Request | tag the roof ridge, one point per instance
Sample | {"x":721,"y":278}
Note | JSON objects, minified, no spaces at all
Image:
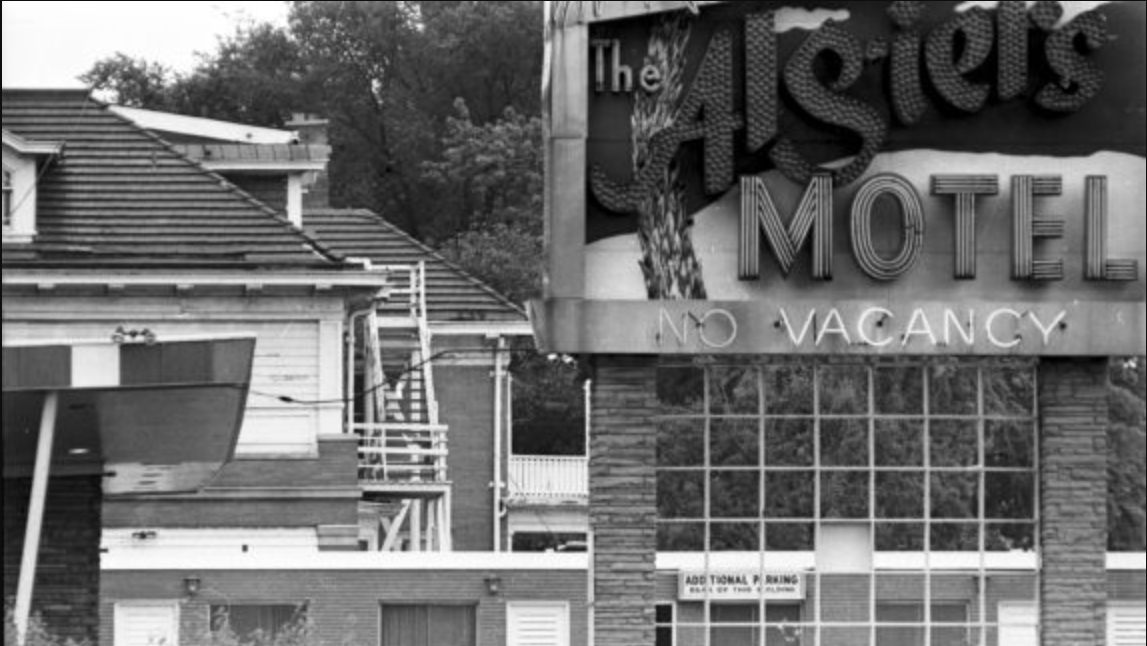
{"x":477,"y":282}
{"x":320,"y":250}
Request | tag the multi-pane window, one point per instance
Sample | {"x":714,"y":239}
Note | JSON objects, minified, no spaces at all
{"x":880,"y":481}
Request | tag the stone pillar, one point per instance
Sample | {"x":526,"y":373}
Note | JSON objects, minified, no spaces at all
{"x":1073,"y":503}
{"x":623,"y":499}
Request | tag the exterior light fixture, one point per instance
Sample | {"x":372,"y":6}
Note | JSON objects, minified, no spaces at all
{"x":493,"y":584}
{"x":191,"y":585}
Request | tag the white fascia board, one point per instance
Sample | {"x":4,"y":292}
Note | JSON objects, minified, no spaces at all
{"x":884,"y":561}
{"x":482,"y":328}
{"x":201,"y":127}
{"x":1127,"y":561}
{"x":578,"y":12}
{"x":30,"y":147}
{"x":375,"y":279}
{"x":269,"y":166}
{"x":201,"y":559}
{"x":78,"y":342}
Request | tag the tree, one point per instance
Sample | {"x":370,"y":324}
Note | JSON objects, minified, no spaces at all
{"x":490,"y":178}
{"x":134,"y":82}
{"x":254,"y":77}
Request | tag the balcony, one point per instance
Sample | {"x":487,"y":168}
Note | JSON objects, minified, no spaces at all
{"x":548,"y":479}
{"x":401,"y":454}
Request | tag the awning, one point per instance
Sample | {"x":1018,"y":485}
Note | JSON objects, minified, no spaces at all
{"x":155,"y":417}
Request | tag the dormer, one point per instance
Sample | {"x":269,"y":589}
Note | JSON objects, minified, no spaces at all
{"x":24,"y":160}
{"x":269,"y":164}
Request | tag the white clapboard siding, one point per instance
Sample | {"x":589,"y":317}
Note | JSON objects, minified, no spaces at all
{"x":537,"y":624}
{"x":1127,"y":624}
{"x":146,"y":623}
{"x":286,"y":364}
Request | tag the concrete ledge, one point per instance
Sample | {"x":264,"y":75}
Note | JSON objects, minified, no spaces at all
{"x":200,"y":559}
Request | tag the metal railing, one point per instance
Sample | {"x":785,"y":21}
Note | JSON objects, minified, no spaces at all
{"x":548,"y":477}
{"x":394,"y":452}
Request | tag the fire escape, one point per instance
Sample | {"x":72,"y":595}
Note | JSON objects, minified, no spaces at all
{"x":402,"y":446}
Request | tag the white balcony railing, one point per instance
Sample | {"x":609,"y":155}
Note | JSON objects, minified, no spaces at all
{"x":548,"y":477}
{"x":397,"y":452}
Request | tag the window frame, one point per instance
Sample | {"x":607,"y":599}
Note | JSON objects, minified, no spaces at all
{"x":297,"y":610}
{"x":1015,"y":404}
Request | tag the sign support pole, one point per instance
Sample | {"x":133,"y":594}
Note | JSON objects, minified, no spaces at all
{"x":35,"y":515}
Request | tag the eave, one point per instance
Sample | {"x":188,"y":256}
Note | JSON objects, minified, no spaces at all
{"x":31,"y":147}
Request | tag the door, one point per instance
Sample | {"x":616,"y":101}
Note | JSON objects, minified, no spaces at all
{"x":541,"y":623}
{"x":1127,"y":624}
{"x":146,"y":623}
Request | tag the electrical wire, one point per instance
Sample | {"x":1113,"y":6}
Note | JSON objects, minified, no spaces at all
{"x":287,"y":399}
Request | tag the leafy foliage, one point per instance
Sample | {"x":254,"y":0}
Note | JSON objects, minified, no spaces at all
{"x":133,"y":82}
{"x":38,"y":634}
{"x":1127,"y":457}
{"x":387,"y":75}
{"x":549,"y":410}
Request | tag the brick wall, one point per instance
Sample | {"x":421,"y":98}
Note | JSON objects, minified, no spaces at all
{"x":344,"y":605}
{"x":466,"y":405}
{"x":1073,"y":505}
{"x":623,"y":496}
{"x":68,"y":573}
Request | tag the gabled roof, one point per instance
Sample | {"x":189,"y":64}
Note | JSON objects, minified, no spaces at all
{"x":451,"y":293}
{"x":118,"y":195}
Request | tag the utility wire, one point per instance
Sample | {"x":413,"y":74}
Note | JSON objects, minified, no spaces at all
{"x":287,"y":399}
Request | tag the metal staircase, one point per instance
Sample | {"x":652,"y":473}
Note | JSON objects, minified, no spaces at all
{"x":402,"y":448}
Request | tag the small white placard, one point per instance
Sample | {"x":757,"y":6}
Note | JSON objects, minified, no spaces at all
{"x":740,"y":585}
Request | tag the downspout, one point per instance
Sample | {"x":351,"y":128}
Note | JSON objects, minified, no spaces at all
{"x":496,"y":485}
{"x":380,"y":296}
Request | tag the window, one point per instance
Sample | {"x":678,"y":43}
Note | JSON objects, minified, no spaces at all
{"x":548,"y":542}
{"x":883,"y":480}
{"x":428,"y":625}
{"x":663,"y":621}
{"x":913,"y":613}
{"x":7,"y":199}
{"x":256,"y":622}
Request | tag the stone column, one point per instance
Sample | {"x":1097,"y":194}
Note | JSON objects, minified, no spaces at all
{"x":623,"y":499}
{"x":1073,"y":504}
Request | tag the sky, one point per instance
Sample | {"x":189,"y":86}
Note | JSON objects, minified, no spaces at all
{"x":49,"y":44}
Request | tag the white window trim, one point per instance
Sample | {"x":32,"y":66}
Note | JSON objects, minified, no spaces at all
{"x":20,"y":160}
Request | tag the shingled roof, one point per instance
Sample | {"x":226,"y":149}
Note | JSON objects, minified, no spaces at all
{"x":451,"y":293}
{"x":119,"y":195}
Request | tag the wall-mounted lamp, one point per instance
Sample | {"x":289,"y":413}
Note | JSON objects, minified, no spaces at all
{"x":493,"y":583}
{"x":191,"y":585}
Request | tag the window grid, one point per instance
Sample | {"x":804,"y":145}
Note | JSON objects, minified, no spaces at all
{"x":980,"y":468}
